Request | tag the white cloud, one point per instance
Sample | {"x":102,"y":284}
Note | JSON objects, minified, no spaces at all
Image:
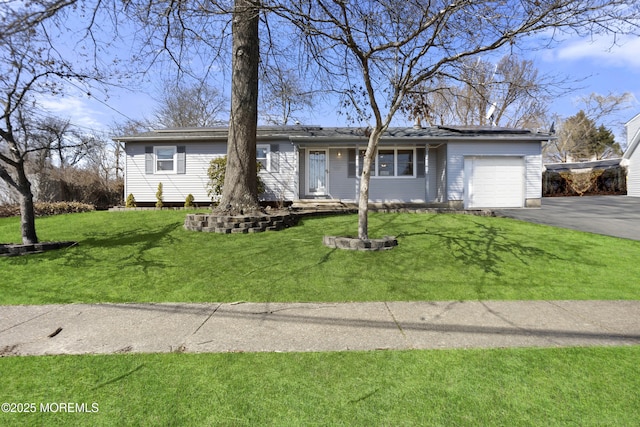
{"x":622,"y":52}
{"x":76,"y":109}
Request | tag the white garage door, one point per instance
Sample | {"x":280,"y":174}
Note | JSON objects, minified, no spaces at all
{"x":494,"y":182}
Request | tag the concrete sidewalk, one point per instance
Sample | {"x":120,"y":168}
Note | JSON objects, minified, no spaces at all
{"x":279,"y":327}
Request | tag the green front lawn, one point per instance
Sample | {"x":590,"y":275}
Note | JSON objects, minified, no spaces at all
{"x":145,"y":256}
{"x":508,"y":387}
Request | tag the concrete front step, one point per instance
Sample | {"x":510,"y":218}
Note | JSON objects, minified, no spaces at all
{"x":341,"y":205}
{"x":323,"y":204}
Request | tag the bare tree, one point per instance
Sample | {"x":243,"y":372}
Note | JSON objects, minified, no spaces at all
{"x":602,"y":107}
{"x":62,"y":143}
{"x":579,"y":138}
{"x":193,"y":36}
{"x":30,"y":66}
{"x":284,"y":94}
{"x":240,"y":191}
{"x":384,"y":49}
{"x":20,"y":76}
{"x":574,"y":137}
{"x":522,"y":94}
{"x":509,"y":93}
{"x":607,"y":109}
{"x":128,"y":127}
{"x":198,"y":105}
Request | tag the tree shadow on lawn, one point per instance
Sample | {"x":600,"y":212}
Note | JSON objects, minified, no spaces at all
{"x":149,"y":238}
{"x":134,"y":244}
{"x":486,"y":247}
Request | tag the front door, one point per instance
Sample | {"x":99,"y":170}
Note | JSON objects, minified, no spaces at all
{"x":317,"y":176}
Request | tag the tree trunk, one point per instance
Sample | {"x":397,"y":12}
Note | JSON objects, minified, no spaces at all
{"x":27,"y":211}
{"x":240,"y":190}
{"x":363,"y":200}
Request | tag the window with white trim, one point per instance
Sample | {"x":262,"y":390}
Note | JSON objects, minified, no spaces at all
{"x":387,"y":163}
{"x":405,"y":162}
{"x":165,"y":159}
{"x":263,"y":152}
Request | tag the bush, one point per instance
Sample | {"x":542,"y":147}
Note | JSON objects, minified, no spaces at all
{"x":73,"y":184}
{"x":603,"y":181}
{"x":217,"y":169}
{"x":188,"y":202}
{"x":159,"y":196}
{"x":9,"y":210}
{"x":48,"y":208}
{"x":131,"y":201}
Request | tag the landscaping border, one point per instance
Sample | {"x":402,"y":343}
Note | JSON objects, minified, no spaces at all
{"x":11,"y":249}
{"x":355,"y":244}
{"x":227,"y":224}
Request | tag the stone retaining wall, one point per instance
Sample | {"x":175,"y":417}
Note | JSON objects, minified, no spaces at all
{"x":226,"y":224}
{"x":17,"y":249}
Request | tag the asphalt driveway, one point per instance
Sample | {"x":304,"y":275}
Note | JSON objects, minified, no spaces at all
{"x":617,"y":216}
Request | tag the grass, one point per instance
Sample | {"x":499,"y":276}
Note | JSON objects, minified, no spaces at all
{"x":146,"y":256}
{"x":510,"y":387}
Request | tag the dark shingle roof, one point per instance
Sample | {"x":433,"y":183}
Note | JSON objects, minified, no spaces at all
{"x":337,"y":134}
{"x":596,"y":164}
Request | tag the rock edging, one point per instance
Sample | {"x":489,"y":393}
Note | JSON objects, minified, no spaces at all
{"x":355,"y":244}
{"x":227,"y":224}
{"x":9,"y":249}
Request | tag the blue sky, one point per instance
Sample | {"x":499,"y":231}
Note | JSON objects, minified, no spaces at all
{"x":603,"y":67}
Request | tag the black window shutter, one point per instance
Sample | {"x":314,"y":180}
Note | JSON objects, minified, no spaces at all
{"x":351,"y":168}
{"x":148,"y":160}
{"x":420,"y":154}
{"x":182,"y":159}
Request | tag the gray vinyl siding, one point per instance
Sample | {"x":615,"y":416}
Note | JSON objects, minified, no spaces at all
{"x":398,"y":189}
{"x":531,"y":151}
{"x":431,"y":174}
{"x":441,"y":170}
{"x":632,"y":128}
{"x":633,"y":167}
{"x":281,"y":181}
{"x":533,"y":176}
{"x":286,"y":178}
{"x":175,"y":186}
{"x":406,"y":190}
{"x":633,"y":174}
{"x":436,"y":174}
{"x":341,"y":186}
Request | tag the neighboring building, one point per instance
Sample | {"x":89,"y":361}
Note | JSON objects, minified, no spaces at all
{"x":607,"y":177}
{"x":631,"y":157}
{"x":458,"y":167}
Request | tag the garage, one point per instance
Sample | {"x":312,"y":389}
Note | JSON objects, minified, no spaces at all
{"x":494,"y":182}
